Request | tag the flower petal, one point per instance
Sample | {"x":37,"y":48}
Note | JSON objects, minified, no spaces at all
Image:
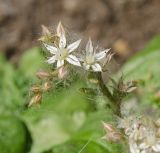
{"x":50,"y":48}
{"x":60,"y":29}
{"x":133,"y":146}
{"x":143,"y":146}
{"x":156,"y":148}
{"x":89,"y":46}
{"x":96,"y":67}
{"x":60,"y":63}
{"x":51,"y":60}
{"x":62,"y":41}
{"x":101,"y":54}
{"x":73,"y":46}
{"x":61,"y":34}
{"x":45,"y":30}
{"x":73,"y":60}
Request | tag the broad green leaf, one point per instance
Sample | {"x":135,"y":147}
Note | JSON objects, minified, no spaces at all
{"x":13,"y":135}
{"x":57,"y":119}
{"x":88,"y":138}
{"x":10,"y":100}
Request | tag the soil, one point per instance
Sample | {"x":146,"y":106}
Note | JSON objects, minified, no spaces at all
{"x":123,"y":25}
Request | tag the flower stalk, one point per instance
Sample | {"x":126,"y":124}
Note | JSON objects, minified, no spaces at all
{"x":106,"y":92}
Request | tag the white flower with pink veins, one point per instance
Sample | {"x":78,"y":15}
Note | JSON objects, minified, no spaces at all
{"x":62,"y":52}
{"x":91,"y":61}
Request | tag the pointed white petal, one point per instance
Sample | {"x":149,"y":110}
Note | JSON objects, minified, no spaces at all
{"x":96,"y":67}
{"x":60,"y":63}
{"x":51,"y":60}
{"x":50,"y":48}
{"x":62,"y":41}
{"x":45,"y":30}
{"x":61,"y":34}
{"x":101,"y":54}
{"x":73,"y":46}
{"x":143,"y":146}
{"x":89,"y":46}
{"x":156,"y":148}
{"x":73,"y":60}
{"x":133,"y":147}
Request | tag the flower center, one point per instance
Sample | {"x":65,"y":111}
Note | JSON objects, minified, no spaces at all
{"x":62,"y":53}
{"x":90,"y":59}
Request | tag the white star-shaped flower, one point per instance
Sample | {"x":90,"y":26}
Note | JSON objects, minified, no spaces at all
{"x":91,"y":61}
{"x":150,"y":144}
{"x":62,"y":52}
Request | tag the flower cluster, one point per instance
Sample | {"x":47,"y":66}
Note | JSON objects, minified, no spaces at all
{"x":63,"y":53}
{"x":143,"y":134}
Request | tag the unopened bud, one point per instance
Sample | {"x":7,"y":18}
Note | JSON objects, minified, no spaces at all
{"x":36,"y":89}
{"x":108,"y":127}
{"x":35,"y":100}
{"x":42,"y":74}
{"x":62,"y":73}
{"x":47,"y":86}
{"x":113,"y":136}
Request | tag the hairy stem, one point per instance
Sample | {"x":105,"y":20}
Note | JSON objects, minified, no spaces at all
{"x":112,"y":101}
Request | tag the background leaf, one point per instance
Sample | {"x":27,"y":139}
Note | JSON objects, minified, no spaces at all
{"x":145,"y":68}
{"x":14,"y":136}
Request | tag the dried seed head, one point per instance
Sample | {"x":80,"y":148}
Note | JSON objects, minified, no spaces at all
{"x":131,"y":86}
{"x":112,"y":134}
{"x":42,"y":74}
{"x":47,"y":86}
{"x":36,"y":89}
{"x":126,"y":87}
{"x":35,"y":100}
{"x":108,"y":127}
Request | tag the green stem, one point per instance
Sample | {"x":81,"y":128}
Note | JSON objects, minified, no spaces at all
{"x":112,"y":101}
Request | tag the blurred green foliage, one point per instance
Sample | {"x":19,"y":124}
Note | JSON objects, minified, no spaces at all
{"x":65,"y":122}
{"x":145,"y":68}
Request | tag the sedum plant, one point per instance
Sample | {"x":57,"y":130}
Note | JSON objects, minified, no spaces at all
{"x":71,"y":60}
